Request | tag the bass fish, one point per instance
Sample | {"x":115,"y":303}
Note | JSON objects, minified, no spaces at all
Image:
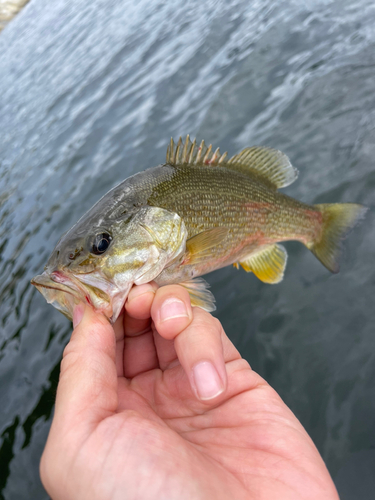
{"x":197,"y":212}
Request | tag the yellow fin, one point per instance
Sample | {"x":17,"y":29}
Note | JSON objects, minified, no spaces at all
{"x":268,"y":265}
{"x":198,"y":245}
{"x":337,"y":221}
{"x":200,"y":296}
{"x":270,"y":165}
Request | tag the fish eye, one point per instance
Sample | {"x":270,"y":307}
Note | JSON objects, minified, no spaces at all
{"x":101,"y":243}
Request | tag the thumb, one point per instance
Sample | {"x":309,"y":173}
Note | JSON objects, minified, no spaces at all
{"x":87,"y":389}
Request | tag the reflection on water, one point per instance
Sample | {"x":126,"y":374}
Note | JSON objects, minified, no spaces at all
{"x":91,"y":92}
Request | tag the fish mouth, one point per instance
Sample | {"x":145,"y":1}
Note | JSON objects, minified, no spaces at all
{"x":53,"y":281}
{"x":65,"y":291}
{"x":60,"y":291}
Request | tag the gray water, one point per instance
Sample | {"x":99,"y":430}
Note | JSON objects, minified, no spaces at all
{"x":91,"y":92}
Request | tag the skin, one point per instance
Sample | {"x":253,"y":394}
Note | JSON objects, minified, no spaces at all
{"x":136,"y":416}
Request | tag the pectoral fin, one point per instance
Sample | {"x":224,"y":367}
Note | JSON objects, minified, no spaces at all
{"x":267,"y":265}
{"x":200,"y":296}
{"x":198,"y":245}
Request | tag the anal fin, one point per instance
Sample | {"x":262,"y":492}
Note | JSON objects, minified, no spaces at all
{"x":268,"y":265}
{"x":200,"y":296}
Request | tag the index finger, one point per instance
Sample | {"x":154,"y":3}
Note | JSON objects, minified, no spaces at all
{"x":88,"y":382}
{"x":136,"y":351}
{"x":138,"y":308}
{"x":143,"y":350}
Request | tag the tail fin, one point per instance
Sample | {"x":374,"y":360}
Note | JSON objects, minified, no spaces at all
{"x":338,"y":220}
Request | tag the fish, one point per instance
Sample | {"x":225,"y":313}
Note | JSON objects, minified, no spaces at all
{"x":197,"y":212}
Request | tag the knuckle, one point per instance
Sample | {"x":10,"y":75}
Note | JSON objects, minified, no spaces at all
{"x":67,"y":350}
{"x":206,"y":321}
{"x":70,"y":358}
{"x":216,"y":323}
{"x":172,"y":291}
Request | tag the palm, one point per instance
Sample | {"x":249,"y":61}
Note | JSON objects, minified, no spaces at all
{"x":153,"y":438}
{"x":249,"y":442}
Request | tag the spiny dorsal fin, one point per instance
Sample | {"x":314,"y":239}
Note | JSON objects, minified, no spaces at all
{"x":198,"y":245}
{"x":268,"y":265}
{"x":192,"y":154}
{"x":268,"y":165}
{"x":200,"y":296}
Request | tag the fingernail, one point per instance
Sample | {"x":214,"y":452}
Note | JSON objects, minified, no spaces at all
{"x":173,"y":308}
{"x":207,"y":380}
{"x":78,"y":314}
{"x":138,"y":290}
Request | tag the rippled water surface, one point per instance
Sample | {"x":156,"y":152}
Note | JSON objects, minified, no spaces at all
{"x":91,"y":92}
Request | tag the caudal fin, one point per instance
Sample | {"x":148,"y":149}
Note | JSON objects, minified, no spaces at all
{"x":338,"y":220}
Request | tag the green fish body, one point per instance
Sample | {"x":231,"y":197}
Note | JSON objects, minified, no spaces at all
{"x":196,"y":213}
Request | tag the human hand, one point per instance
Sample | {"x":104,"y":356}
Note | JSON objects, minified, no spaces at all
{"x":159,"y":408}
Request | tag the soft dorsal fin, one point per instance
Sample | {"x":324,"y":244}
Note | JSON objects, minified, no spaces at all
{"x":268,"y":165}
{"x":268,"y":265}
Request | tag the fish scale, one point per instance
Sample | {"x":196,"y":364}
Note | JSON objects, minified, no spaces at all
{"x":224,"y":197}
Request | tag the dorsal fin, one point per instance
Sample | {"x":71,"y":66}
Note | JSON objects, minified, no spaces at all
{"x":192,"y":154}
{"x":268,"y":165}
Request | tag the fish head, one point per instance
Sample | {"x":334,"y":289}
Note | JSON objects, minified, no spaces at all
{"x":98,"y":260}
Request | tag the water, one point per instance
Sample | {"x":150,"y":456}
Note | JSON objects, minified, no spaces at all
{"x":91,"y":92}
{"x":8,"y":9}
